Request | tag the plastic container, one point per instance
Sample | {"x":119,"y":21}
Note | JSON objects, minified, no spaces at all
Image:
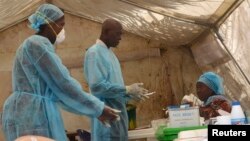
{"x":237,"y":114}
{"x":164,"y":133}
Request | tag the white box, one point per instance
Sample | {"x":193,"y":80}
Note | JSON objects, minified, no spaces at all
{"x":184,"y":117}
{"x":141,"y":133}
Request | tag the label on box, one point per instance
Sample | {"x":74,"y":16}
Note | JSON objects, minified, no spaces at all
{"x":184,"y":117}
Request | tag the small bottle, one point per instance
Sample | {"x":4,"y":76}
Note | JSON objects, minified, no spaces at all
{"x":237,"y":114}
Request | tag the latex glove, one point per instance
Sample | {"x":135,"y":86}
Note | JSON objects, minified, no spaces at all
{"x":136,"y":88}
{"x":107,"y":123}
{"x":109,"y":114}
{"x":192,"y":100}
{"x":136,"y":91}
{"x":138,"y":97}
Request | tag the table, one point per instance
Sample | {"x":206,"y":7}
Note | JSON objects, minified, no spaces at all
{"x":148,"y":133}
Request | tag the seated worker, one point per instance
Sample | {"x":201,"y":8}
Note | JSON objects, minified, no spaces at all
{"x":210,"y":90}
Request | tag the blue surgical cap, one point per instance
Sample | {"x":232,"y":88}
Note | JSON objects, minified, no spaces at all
{"x":44,"y":14}
{"x":213,"y":81}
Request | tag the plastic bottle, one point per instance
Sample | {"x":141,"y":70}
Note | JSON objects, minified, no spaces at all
{"x":237,"y":114}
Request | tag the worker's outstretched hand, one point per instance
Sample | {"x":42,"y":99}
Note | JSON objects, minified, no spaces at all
{"x":137,"y":92}
{"x":136,"y":88}
{"x":109,"y":114}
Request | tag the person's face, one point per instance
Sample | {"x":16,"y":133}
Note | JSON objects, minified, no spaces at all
{"x":203,"y":91}
{"x":114,"y":36}
{"x":54,"y":28}
{"x":58,"y":25}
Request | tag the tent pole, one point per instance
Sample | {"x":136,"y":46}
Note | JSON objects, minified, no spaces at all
{"x":230,"y":54}
{"x":228,"y":12}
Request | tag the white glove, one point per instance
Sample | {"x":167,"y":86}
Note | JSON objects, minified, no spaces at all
{"x":191,"y":98}
{"x":137,"y":92}
{"x":107,"y":123}
{"x":109,"y":114}
{"x":136,"y":88}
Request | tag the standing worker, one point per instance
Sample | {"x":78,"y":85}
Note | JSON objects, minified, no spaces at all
{"x":41,"y":83}
{"x":104,"y":77}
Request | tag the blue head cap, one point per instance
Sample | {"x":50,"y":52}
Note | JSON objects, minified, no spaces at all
{"x":213,"y":81}
{"x":44,"y":14}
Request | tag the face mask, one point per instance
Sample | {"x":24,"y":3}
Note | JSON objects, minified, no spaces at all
{"x":60,"y":37}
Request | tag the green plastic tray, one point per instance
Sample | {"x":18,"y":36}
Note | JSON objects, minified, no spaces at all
{"x":165,"y":133}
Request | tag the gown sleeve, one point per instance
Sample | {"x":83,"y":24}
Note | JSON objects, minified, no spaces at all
{"x":67,"y":90}
{"x":97,"y":75}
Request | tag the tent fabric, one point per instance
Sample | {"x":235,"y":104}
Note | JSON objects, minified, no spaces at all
{"x":208,"y":52}
{"x":236,"y":36}
{"x":235,"y":33}
{"x":199,"y":11}
{"x":177,"y":22}
{"x":135,"y":20}
{"x":12,"y":12}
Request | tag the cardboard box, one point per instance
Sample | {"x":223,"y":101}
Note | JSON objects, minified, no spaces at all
{"x":184,"y":117}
